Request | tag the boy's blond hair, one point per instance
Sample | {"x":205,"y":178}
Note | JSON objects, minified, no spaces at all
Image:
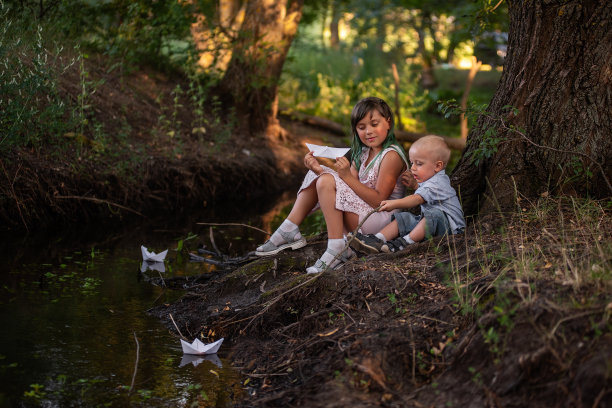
{"x":434,"y":146}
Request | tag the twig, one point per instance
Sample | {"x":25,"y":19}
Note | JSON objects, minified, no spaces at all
{"x":12,"y":185}
{"x":212,"y":241}
{"x":98,"y":200}
{"x":317,"y":276}
{"x":234,"y":224}
{"x":162,"y":279}
{"x":413,"y":345}
{"x":135,"y":364}
{"x":177,"y":329}
{"x":524,"y":136}
{"x":351,"y":238}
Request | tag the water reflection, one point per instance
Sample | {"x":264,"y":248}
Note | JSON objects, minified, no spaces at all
{"x":196,"y":360}
{"x":72,"y":301}
{"x":152,"y":266}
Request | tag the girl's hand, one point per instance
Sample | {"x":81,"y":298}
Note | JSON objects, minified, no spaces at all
{"x":343,"y":167}
{"x":312,"y":164}
{"x":387,"y":205}
{"x":409,"y":181}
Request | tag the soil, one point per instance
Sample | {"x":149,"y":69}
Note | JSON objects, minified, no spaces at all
{"x":511,"y":313}
{"x":448,"y":322}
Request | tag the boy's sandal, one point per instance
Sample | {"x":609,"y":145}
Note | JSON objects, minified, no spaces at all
{"x":395,"y":245}
{"x":320,"y":266}
{"x":268,"y":248}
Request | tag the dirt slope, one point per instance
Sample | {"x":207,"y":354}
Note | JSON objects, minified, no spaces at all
{"x":444,"y":323}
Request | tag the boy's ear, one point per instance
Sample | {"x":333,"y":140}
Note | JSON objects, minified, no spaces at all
{"x":439,"y":165}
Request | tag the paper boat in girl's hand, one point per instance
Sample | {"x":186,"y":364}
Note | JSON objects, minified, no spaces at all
{"x":327,"y":151}
{"x":197,"y":347}
{"x":152,"y":256}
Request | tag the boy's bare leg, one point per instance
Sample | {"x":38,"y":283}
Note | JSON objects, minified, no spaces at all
{"x":418,"y":233}
{"x":390,"y":231}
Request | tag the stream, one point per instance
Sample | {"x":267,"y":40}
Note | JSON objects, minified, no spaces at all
{"x":74,"y":322}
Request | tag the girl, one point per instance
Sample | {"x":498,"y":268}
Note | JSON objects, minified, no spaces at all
{"x":351,"y":191}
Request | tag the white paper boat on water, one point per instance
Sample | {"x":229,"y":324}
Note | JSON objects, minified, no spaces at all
{"x":152,"y":266}
{"x":152,"y":256}
{"x":199,"y":348}
{"x":327,"y":151}
{"x":196,"y":360}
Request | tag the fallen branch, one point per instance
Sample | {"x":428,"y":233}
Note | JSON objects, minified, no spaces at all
{"x":234,"y":224}
{"x":454,"y":143}
{"x":98,"y":200}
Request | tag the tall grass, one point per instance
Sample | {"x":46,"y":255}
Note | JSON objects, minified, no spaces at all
{"x":565,"y":241}
{"x":32,"y":112}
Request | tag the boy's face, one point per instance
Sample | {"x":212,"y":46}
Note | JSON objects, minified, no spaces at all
{"x":424,"y":163}
{"x":373,"y":129}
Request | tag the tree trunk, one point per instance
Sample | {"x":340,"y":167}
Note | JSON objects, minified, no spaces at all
{"x":428,"y":78}
{"x":334,"y":37}
{"x":251,"y":79}
{"x":212,"y":38}
{"x":557,"y":75}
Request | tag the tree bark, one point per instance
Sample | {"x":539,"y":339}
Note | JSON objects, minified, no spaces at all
{"x":334,"y":33}
{"x":557,"y":74}
{"x":251,"y":79}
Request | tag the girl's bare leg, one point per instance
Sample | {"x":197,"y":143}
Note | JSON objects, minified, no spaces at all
{"x":305,"y":202}
{"x":351,"y":221}
{"x":326,"y":192}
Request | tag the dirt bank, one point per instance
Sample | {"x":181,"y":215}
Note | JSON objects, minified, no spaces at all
{"x":146,"y":151}
{"x":496,"y":317}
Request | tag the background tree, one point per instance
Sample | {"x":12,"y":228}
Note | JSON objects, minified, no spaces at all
{"x":556,"y":138}
{"x":250,"y":82}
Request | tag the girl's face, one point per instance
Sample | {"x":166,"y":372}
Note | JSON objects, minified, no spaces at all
{"x":373,"y":129}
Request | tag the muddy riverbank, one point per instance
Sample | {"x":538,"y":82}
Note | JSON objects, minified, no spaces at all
{"x":490,"y":318}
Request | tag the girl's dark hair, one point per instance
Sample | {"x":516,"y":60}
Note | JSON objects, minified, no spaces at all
{"x":360,"y":110}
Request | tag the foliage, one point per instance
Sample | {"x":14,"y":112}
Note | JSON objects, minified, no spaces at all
{"x":32,"y":113}
{"x":147,"y":32}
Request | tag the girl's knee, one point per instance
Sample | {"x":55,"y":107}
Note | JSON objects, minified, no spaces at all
{"x":326,"y":181}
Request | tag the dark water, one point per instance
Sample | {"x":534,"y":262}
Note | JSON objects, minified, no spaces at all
{"x":72,"y":302}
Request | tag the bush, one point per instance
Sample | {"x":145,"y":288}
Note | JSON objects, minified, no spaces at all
{"x":31,"y":109}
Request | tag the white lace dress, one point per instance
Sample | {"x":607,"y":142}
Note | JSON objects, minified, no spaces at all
{"x":348,"y":201}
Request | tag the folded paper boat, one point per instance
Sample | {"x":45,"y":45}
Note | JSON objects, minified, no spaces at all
{"x":152,"y":256}
{"x":199,"y":348}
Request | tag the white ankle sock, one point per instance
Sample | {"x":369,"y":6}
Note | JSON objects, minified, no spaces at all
{"x":287,"y":226}
{"x":335,"y":245}
{"x":381,"y":237}
{"x":408,"y":239}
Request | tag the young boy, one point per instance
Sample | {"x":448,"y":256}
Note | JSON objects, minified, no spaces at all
{"x":441,"y":211}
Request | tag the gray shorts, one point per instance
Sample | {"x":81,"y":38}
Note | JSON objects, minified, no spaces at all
{"x":436,"y":222}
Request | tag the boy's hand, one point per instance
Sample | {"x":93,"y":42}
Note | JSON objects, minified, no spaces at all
{"x":387,"y":205}
{"x":409,"y":181}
